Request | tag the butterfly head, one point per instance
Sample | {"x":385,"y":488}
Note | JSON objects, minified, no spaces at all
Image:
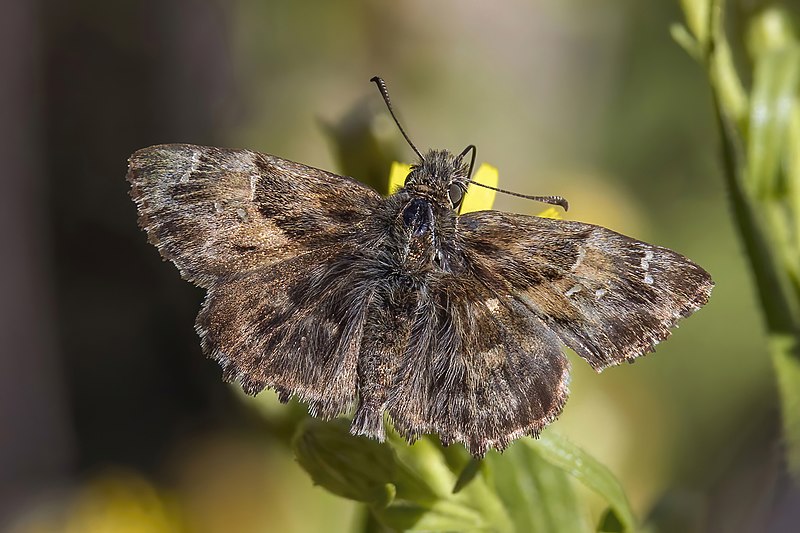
{"x":440,"y":178}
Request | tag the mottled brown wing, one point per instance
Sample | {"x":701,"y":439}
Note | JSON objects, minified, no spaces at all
{"x":214,"y":212}
{"x":608,"y":297}
{"x":295,"y":326}
{"x":479,"y":368}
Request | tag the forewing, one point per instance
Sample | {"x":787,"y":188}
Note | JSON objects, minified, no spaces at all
{"x":607,"y":296}
{"x":295,"y":326}
{"x":479,"y":368}
{"x":214,"y":212}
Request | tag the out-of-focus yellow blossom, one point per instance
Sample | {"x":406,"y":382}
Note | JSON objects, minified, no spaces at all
{"x":117,"y":501}
{"x":550,"y":212}
{"x":481,"y":198}
{"x":397,"y":176}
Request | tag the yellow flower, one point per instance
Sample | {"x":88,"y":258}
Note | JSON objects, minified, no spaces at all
{"x":397,"y":176}
{"x":550,"y":212}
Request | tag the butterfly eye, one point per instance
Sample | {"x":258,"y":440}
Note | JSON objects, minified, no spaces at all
{"x":455,"y":193}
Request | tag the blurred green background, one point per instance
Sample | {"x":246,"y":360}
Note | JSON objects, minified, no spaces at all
{"x":111,"y":419}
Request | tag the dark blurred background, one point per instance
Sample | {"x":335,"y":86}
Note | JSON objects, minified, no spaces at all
{"x":110,"y":414}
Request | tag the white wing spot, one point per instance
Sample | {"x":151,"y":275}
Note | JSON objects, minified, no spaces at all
{"x":648,"y":279}
{"x":599,"y":293}
{"x":572,"y":290}
{"x":579,"y":259}
{"x":648,"y":256}
{"x":192,"y":168}
{"x":253,"y":184}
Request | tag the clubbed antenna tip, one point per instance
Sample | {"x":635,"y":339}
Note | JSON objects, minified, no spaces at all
{"x":385,"y":93}
{"x":552,"y":200}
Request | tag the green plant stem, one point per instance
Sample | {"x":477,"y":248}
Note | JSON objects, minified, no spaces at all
{"x":755,"y":219}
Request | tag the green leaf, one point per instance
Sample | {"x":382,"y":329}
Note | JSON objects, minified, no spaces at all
{"x":356,"y":468}
{"x":468,"y":473}
{"x":444,"y":515}
{"x":530,"y":487}
{"x":775,"y":84}
{"x":407,"y":487}
{"x":682,"y":36}
{"x":770,"y":28}
{"x":728,"y":87}
{"x":697,"y":18}
{"x":586,"y":469}
{"x":538,"y":495}
{"x":771,"y":158}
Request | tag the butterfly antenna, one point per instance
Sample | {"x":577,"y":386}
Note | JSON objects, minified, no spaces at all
{"x":552,"y":200}
{"x":472,"y":159}
{"x":385,"y":93}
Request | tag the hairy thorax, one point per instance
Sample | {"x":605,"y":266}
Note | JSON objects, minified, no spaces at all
{"x":425,"y":233}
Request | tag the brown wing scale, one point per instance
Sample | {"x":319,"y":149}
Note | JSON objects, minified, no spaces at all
{"x":607,"y":296}
{"x":214,"y":211}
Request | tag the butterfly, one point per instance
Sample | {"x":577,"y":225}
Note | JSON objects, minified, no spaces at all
{"x":320,"y":288}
